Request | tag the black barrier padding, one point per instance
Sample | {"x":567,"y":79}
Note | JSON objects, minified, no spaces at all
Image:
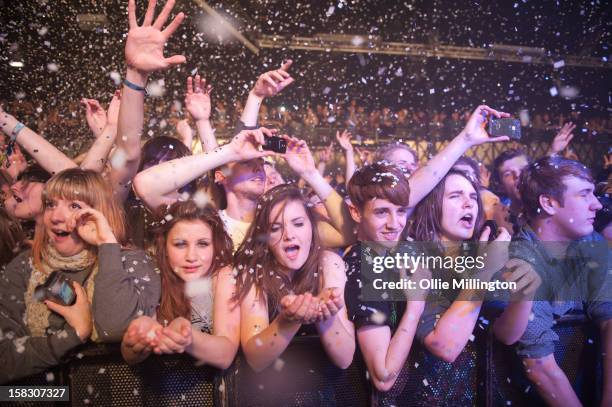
{"x":578,"y":353}
{"x":106,"y":380}
{"x":487,"y":373}
{"x":428,"y":381}
{"x":307,"y":378}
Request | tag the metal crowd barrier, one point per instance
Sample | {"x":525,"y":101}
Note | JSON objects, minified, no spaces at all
{"x":487,"y":373}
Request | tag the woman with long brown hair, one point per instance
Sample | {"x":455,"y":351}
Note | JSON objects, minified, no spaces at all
{"x":453,"y":213}
{"x":196,"y":314}
{"x":81,"y":240}
{"x":287,"y":280}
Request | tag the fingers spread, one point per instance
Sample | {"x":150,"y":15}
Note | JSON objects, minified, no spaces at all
{"x":132,"y":14}
{"x":149,"y":14}
{"x":163,"y":16}
{"x":176,"y":22}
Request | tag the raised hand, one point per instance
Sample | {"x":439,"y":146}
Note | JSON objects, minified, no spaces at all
{"x":78,"y":315}
{"x":365,"y":155}
{"x":92,"y":226}
{"x":95,"y":116}
{"x":298,"y":156}
{"x":272,"y":82}
{"x":197,"y":99}
{"x":325,"y":155}
{"x":562,"y":139}
{"x":246,"y":144}
{"x":474,"y":132}
{"x":485,"y":176}
{"x":144,"y":48}
{"x":344,"y":139}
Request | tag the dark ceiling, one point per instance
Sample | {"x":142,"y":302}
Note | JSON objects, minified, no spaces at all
{"x":64,"y":63}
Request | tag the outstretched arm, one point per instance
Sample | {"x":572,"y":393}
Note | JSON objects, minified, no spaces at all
{"x":98,"y":153}
{"x":157,"y":185}
{"x":562,"y":139}
{"x":344,"y":140}
{"x":423,"y":181}
{"x":144,"y":54}
{"x":46,"y":154}
{"x":268,"y":84}
{"x":300,"y":159}
{"x":197,"y":103}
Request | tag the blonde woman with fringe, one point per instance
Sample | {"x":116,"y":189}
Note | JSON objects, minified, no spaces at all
{"x":82,"y":236}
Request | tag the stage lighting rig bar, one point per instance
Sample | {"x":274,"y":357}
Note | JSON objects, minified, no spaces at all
{"x":365,"y":45}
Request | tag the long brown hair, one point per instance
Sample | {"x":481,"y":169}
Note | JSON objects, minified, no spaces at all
{"x":426,"y":220}
{"x":86,"y":186}
{"x":257,"y":265}
{"x":174,"y":302}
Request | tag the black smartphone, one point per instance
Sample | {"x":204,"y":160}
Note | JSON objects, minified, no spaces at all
{"x":276,"y":144}
{"x":57,"y":288}
{"x":493,"y":226}
{"x":505,"y":127}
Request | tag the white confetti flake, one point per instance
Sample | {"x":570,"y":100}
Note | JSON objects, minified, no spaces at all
{"x":195,"y":287}
{"x":553,"y":91}
{"x":50,"y":377}
{"x":279,"y":364}
{"x":156,"y":89}
{"x":119,"y":158}
{"x":378,"y":318}
{"x":559,"y":64}
{"x":115,"y":77}
{"x":201,"y":199}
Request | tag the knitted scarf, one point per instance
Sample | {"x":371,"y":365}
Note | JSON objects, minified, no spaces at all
{"x":37,"y":313}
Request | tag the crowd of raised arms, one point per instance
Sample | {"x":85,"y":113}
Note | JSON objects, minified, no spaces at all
{"x":206,"y":250}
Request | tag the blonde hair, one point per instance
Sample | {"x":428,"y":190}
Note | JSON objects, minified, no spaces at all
{"x":86,"y":186}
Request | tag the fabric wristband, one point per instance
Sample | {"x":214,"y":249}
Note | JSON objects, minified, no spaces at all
{"x":132,"y":85}
{"x":18,"y":127}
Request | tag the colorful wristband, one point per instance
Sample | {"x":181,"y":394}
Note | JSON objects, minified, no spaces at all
{"x":132,"y":85}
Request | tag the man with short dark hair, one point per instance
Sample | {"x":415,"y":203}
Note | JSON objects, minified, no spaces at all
{"x":385,"y":330}
{"x":559,"y":243}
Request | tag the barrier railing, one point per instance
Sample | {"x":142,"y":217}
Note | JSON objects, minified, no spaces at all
{"x":487,"y":373}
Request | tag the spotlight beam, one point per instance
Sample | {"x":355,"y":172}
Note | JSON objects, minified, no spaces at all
{"x":237,"y":34}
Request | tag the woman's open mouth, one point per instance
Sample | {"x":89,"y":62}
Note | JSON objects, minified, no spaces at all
{"x":292,"y":251}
